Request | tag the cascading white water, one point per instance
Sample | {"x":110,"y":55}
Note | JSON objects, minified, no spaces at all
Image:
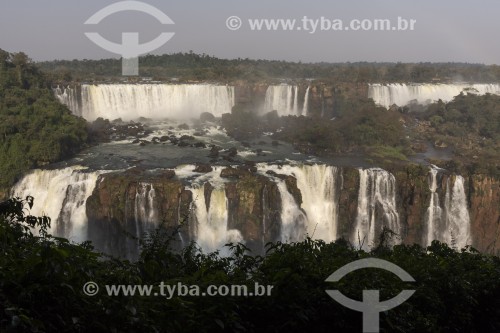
{"x":305,"y":109}
{"x":212,"y":221}
{"x":61,"y":195}
{"x":402,"y":94}
{"x":376,"y":207}
{"x":457,"y":215}
{"x":317,"y":184}
{"x":145,"y":210}
{"x":284,"y":99}
{"x":69,"y":97}
{"x":434,"y":213}
{"x":296,"y":100}
{"x":293,"y":220}
{"x":156,"y":101}
{"x":449,"y":223}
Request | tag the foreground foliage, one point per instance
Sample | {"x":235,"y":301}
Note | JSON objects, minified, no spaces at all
{"x":41,"y":279}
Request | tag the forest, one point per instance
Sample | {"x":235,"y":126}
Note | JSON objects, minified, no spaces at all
{"x":42,"y":277}
{"x":35,"y":129}
{"x":197,"y":67}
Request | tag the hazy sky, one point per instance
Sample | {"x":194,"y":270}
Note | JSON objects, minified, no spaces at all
{"x":446,"y":30}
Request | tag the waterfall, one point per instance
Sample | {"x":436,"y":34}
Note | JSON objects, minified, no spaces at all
{"x":318,"y":186}
{"x":69,"y":97}
{"x":61,"y":195}
{"x":457,"y":215}
{"x":296,"y":100}
{"x":450,"y":222}
{"x":434,"y":213}
{"x":376,"y":207}
{"x":285,"y":99}
{"x":145,"y":210}
{"x":212,"y":220}
{"x":293,"y":220}
{"x":156,"y":101}
{"x":279,"y":98}
{"x":305,"y":109}
{"x":403,"y":94}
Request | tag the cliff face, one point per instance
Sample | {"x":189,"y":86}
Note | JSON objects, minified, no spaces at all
{"x":124,"y":204}
{"x":324,"y":97}
{"x":413,"y":197}
{"x":484,"y":201}
{"x":120,"y":208}
{"x":254,"y":207}
{"x":348,"y":202}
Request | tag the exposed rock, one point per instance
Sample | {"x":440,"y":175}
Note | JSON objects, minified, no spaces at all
{"x":254,"y":209}
{"x":413,"y":199}
{"x":187,"y":137}
{"x":259,"y":152}
{"x":207,"y":117}
{"x":214,"y":152}
{"x":248,"y":166}
{"x":111,"y":211}
{"x":237,"y":173}
{"x":291,"y":185}
{"x":199,"y":145}
{"x":207,"y":191}
{"x":484,"y":200}
{"x":183,"y":127}
{"x":203,"y":168}
{"x":232,"y":152}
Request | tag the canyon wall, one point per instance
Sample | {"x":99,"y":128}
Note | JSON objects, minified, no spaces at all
{"x":268,"y":203}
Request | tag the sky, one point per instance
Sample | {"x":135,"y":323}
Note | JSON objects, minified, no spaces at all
{"x":444,"y":31}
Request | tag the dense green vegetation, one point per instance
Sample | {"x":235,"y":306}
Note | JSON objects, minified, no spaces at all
{"x":35,"y":129}
{"x":470,"y":124}
{"x":191,"y":66}
{"x":361,"y":128}
{"x":41,"y":280}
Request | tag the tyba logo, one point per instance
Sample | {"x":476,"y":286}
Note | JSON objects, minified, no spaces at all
{"x":129,"y":49}
{"x":371,"y":306}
